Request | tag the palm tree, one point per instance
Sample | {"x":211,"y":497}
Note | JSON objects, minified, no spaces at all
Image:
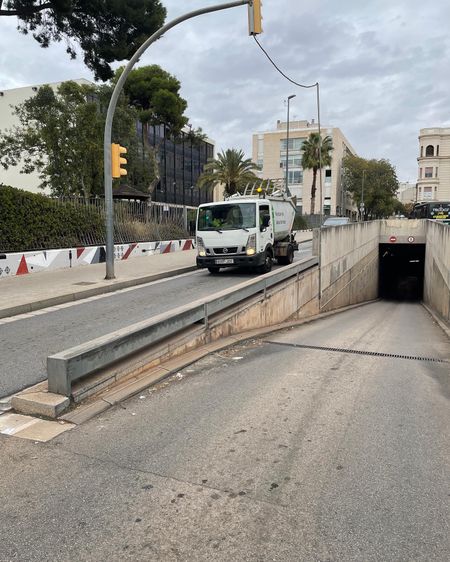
{"x":231,"y":168}
{"x":311,"y":160}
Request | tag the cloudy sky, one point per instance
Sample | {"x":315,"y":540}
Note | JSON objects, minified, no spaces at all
{"x":382,"y":65}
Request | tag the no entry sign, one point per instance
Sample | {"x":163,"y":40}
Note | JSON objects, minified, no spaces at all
{"x":393,"y":239}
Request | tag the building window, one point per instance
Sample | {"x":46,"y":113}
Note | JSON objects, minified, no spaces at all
{"x":436,"y":172}
{"x":427,"y":193}
{"x":421,"y":151}
{"x":294,"y":144}
{"x":327,"y":176}
{"x":429,"y":150}
{"x":295,"y":161}
{"x":295,"y":177}
{"x":437,"y":150}
{"x":420,"y":173}
{"x":429,"y":172}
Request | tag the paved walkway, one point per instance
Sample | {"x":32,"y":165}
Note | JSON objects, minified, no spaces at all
{"x":26,"y":293}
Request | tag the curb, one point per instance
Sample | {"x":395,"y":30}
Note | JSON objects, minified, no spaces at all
{"x":85,"y":293}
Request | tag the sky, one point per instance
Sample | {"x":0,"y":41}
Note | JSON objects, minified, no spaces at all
{"x":382,"y":66}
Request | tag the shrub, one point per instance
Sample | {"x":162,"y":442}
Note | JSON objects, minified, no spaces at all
{"x":30,"y":221}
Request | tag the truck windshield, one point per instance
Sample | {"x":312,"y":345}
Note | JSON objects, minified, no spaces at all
{"x":232,"y":216}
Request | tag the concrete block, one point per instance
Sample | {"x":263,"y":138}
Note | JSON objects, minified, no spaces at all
{"x":40,"y":403}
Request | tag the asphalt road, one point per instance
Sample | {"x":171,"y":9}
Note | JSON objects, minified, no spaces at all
{"x":266,"y":452}
{"x":26,"y":343}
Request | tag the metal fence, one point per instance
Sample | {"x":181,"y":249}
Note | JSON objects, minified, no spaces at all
{"x":136,"y":221}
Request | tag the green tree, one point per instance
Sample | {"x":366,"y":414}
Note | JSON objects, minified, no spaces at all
{"x":375,"y":183}
{"x":156,"y":96}
{"x":58,"y":136}
{"x":311,"y":158}
{"x":61,"y":133}
{"x":231,"y":168}
{"x":105,"y":30}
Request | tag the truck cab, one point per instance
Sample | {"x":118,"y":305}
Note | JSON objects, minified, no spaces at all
{"x":245,"y":231}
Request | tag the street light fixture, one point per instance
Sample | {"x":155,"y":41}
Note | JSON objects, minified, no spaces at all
{"x":287,"y":144}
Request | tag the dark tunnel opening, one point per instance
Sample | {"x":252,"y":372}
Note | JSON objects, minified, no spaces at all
{"x":401,"y":271}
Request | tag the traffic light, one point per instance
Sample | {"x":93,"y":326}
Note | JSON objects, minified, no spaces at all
{"x":117,"y":161}
{"x":255,"y":17}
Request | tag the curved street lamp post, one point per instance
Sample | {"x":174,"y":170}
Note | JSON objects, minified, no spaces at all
{"x":110,"y":115}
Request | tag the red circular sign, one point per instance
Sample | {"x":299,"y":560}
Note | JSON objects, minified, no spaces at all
{"x":393,"y":239}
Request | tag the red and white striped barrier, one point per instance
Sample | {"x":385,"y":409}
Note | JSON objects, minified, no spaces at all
{"x":21,"y":263}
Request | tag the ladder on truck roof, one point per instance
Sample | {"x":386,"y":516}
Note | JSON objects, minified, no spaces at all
{"x":268,"y":187}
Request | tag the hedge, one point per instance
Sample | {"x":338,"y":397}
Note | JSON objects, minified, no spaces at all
{"x":30,"y":221}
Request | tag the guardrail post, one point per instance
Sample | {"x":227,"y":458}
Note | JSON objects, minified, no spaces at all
{"x":206,"y":316}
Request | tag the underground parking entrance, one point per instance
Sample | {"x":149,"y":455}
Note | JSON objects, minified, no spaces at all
{"x":401,"y":271}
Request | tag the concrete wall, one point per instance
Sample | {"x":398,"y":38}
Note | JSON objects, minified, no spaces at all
{"x":405,"y":231}
{"x":22,"y":263}
{"x":436,"y":291}
{"x":348,"y":264}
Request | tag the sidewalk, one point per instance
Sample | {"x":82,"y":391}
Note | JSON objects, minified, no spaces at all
{"x":25,"y":293}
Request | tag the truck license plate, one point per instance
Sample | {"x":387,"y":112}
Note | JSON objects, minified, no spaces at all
{"x":226,"y":261}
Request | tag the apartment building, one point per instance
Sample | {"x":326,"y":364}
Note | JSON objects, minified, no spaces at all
{"x":433,"y":183}
{"x":406,"y":192}
{"x":270,"y":151}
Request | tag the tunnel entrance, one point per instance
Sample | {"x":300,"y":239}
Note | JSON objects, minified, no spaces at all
{"x":401,"y":271}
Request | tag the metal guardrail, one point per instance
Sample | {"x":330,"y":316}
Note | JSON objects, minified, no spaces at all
{"x":64,"y":368}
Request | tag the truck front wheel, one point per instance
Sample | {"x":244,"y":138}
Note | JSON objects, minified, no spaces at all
{"x":268,"y":260}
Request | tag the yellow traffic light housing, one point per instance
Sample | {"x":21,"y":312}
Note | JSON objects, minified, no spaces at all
{"x":117,"y":161}
{"x":255,"y":17}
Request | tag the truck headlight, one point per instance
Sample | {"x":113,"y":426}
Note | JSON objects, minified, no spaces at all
{"x":250,"y":249}
{"x":201,"y":250}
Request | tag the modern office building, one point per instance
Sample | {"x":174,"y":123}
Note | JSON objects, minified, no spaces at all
{"x":433,"y":182}
{"x":269,"y":153}
{"x":180,"y":164}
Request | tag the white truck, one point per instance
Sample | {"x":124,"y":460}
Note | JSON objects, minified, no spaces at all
{"x":248,"y":230}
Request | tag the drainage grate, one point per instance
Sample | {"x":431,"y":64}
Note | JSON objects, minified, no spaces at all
{"x":360,"y":352}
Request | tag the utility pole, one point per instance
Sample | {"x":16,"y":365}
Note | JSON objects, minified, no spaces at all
{"x":109,"y":220}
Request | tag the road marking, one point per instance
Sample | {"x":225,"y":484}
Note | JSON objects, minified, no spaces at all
{"x":50,"y":309}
